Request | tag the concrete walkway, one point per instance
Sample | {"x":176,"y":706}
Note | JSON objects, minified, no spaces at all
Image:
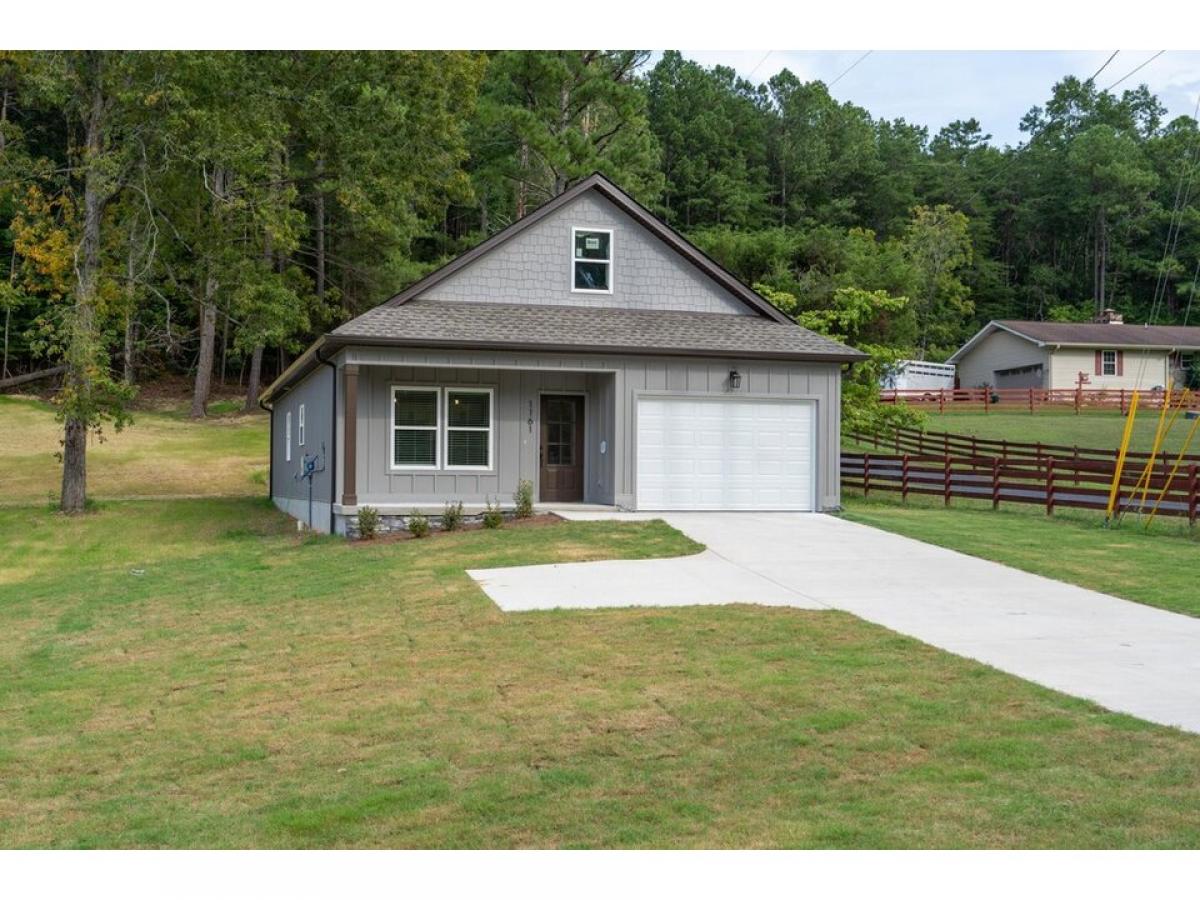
{"x":1122,"y":655}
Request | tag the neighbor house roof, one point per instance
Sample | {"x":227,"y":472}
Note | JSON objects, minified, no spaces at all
{"x":557,"y":328}
{"x":1090,"y":334}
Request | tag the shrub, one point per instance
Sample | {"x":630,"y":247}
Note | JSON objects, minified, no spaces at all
{"x":523,"y":498}
{"x":368,"y":523}
{"x":492,"y":517}
{"x":418,"y":524}
{"x":452,"y":516}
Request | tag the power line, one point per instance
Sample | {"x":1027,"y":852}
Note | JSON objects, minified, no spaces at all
{"x":1097,"y":73}
{"x":1136,"y":70}
{"x":851,"y":66}
{"x":760,"y":62}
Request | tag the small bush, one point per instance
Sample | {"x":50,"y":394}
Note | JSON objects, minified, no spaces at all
{"x":368,"y":523}
{"x":492,"y":517}
{"x":523,"y":498}
{"x":418,"y":524}
{"x":452,"y":516}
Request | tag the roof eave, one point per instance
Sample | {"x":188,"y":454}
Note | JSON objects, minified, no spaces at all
{"x":339,"y":341}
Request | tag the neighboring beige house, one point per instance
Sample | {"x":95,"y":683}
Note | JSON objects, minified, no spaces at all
{"x":1108,"y":354}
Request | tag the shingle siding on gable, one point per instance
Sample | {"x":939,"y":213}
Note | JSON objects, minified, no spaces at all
{"x":535,"y":268}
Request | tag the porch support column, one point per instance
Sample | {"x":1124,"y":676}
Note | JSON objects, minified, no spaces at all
{"x":350,"y":436}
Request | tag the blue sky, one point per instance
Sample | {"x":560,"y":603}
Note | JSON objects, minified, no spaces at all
{"x":996,"y":87}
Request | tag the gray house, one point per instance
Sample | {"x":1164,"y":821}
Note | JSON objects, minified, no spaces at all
{"x":587,"y":348}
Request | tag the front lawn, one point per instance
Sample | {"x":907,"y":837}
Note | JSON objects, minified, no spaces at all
{"x":161,"y":454}
{"x":1093,"y":429}
{"x":1161,"y":568}
{"x":193,"y":673}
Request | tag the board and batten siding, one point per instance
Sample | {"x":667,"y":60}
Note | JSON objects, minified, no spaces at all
{"x":516,"y":399}
{"x":535,"y":268}
{"x":612,"y":385}
{"x":290,"y":491}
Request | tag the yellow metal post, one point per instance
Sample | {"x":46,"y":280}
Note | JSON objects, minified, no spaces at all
{"x":1116,"y":484}
{"x":1143,"y":482}
{"x":1187,"y":442}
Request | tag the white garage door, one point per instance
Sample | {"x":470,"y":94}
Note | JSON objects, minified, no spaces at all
{"x":725,"y":453}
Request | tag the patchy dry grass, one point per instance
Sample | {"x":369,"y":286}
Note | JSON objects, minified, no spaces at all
{"x":193,"y":674}
{"x":161,"y":454}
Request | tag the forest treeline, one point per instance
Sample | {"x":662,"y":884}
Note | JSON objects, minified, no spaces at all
{"x":210,"y":213}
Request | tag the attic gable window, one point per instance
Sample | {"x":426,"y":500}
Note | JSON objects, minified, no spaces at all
{"x":591,"y":261}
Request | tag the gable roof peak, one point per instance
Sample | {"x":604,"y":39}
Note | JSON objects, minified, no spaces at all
{"x":602,"y":184}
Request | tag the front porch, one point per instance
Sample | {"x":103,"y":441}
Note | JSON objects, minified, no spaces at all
{"x":415,"y":435}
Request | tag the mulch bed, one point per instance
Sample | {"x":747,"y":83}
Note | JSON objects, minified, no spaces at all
{"x":541,"y":520}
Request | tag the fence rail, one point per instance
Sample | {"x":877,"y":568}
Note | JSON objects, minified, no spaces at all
{"x":945,"y":443}
{"x":1049,"y":481}
{"x":1033,"y":399}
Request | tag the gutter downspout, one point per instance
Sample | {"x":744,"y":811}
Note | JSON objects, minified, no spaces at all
{"x":332,"y":438}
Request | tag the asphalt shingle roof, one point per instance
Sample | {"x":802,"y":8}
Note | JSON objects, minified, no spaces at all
{"x":1097,"y":334}
{"x":589,"y":328}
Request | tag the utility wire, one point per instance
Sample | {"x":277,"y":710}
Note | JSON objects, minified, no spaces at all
{"x":1136,"y":70}
{"x":1103,"y":67}
{"x":759,"y":66}
{"x":1191,"y":294}
{"x":846,"y":71}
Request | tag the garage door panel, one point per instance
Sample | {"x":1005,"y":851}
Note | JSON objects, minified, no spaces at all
{"x":725,"y":453}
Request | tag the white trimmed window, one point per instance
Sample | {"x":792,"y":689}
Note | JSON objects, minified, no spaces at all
{"x":591,"y":260}
{"x":415,"y":422}
{"x":288,"y":443}
{"x":300,"y":426}
{"x":1108,"y":362}
{"x":469,"y":425}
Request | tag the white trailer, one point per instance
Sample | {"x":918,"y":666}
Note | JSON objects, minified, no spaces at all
{"x":919,"y":375}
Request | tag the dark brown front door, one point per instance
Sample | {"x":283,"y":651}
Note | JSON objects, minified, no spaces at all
{"x":560,"y":454}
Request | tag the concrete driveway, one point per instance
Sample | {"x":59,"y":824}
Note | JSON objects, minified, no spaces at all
{"x":1124,"y":656}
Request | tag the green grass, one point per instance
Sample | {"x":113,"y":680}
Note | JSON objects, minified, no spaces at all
{"x":1100,"y":430}
{"x":192,"y":673}
{"x":161,"y":454}
{"x":1161,"y":568}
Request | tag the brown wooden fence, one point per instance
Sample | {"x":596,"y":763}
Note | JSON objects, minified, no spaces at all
{"x":1033,"y":399}
{"x":1049,"y":481}
{"x":945,"y":443}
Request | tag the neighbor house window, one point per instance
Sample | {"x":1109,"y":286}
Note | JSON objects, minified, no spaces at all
{"x":300,"y":426}
{"x":592,"y":260}
{"x":1108,"y":362}
{"x":415,"y":428}
{"x":468,"y":428}
{"x":288,"y":444}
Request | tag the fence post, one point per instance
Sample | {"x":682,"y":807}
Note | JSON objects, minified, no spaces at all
{"x":1193,"y":500}
{"x":1031,"y":401}
{"x":1078,"y":398}
{"x":866,"y":474}
{"x":941,"y":400}
{"x":946,"y":479}
{"x":995,"y":483}
{"x":1122,"y":401}
{"x":974,"y":446}
{"x":1050,"y":486}
{"x":904,"y":479}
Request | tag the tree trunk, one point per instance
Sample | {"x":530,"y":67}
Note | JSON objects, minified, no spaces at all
{"x":523,"y":181}
{"x":80,"y":351}
{"x":256,"y":359}
{"x":7,"y":320}
{"x":208,"y":336}
{"x":319,"y":167}
{"x":130,"y":340}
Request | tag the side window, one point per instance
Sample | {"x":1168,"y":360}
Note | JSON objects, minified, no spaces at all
{"x":1109,"y":363}
{"x":300,"y":426}
{"x":592,"y":260}
{"x":288,"y":445}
